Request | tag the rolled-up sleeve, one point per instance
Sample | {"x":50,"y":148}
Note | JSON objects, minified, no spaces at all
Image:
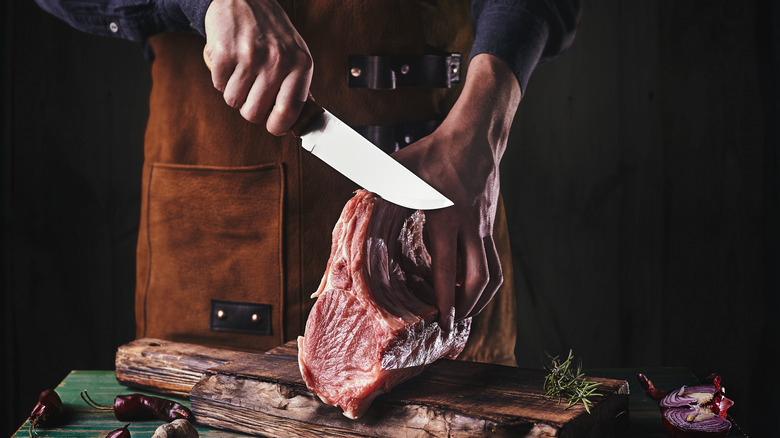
{"x":134,"y":20}
{"x":524,"y":33}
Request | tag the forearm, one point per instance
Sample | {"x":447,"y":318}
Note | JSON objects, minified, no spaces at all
{"x":461,"y":159}
{"x":486,"y":106}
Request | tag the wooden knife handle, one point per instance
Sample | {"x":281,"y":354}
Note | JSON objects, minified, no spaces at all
{"x":309,"y":112}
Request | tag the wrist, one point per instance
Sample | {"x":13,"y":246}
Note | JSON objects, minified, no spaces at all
{"x":487,"y":103}
{"x":193,"y":10}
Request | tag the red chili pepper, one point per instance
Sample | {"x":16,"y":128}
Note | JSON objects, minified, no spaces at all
{"x":46,"y":411}
{"x":142,"y":407}
{"x":122,"y":432}
{"x":650,"y":391}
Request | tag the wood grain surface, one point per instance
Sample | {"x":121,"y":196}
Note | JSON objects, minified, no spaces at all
{"x":263,"y":393}
{"x":80,"y":420}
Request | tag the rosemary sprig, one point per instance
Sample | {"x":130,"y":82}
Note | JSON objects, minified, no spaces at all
{"x":565,"y":380}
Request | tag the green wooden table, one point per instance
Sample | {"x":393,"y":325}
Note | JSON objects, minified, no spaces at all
{"x":83,"y":421}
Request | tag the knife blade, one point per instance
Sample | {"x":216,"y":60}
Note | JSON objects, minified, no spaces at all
{"x":352,"y":155}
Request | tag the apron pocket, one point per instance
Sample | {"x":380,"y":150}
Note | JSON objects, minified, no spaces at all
{"x":214,"y":233}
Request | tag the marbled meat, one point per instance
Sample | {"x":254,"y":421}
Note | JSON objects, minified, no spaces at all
{"x":373,"y":325}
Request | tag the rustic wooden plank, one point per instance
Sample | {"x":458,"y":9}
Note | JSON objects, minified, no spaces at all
{"x":450,"y":398}
{"x":273,"y":409}
{"x":263,"y":393}
{"x":167,"y":367}
{"x":174,"y":367}
{"x":290,"y":348}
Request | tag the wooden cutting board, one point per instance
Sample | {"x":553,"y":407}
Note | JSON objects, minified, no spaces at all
{"x":263,"y":394}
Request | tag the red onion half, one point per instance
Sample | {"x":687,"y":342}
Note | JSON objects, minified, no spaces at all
{"x":694,"y":422}
{"x":688,"y":396}
{"x":692,"y":411}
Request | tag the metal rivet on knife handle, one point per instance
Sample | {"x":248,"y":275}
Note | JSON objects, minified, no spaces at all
{"x":310,"y":111}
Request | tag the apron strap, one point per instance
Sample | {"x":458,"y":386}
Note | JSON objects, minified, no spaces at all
{"x":391,"y":138}
{"x":404,"y":70}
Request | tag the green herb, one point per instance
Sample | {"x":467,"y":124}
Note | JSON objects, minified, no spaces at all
{"x":565,"y":380}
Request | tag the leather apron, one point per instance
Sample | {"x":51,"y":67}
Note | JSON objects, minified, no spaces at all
{"x":234,"y":214}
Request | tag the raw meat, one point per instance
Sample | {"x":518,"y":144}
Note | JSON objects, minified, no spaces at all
{"x":373,"y":326}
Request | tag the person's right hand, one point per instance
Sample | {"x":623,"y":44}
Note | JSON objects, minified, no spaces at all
{"x":258,"y":61}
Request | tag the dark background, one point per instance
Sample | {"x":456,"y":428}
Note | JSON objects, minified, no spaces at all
{"x":641,"y":184}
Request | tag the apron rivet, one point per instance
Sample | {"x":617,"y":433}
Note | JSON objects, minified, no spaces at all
{"x":221,"y":314}
{"x":405,"y":69}
{"x":356,"y":71}
{"x":256,"y":318}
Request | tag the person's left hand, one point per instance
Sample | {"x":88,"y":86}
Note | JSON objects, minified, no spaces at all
{"x":461,"y":159}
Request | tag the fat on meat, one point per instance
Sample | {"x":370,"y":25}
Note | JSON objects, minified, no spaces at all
{"x":373,"y":325}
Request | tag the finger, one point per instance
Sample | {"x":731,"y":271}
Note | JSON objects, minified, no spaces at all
{"x":260,"y":99}
{"x":221,"y":66}
{"x":475,"y":272}
{"x":289,"y":102}
{"x":496,"y":276}
{"x":207,"y":56}
{"x":238,"y":86}
{"x":444,"y":243}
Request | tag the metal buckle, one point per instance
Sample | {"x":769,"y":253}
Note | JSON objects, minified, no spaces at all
{"x":233,"y":316}
{"x":394,"y":71}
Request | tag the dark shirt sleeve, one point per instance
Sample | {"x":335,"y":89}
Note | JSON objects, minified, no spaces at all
{"x":134,"y":20}
{"x":523,"y":33}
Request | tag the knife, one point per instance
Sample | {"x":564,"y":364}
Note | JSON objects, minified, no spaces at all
{"x":352,"y":155}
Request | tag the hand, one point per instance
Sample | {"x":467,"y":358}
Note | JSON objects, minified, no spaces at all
{"x":461,"y":160}
{"x":258,"y":61}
